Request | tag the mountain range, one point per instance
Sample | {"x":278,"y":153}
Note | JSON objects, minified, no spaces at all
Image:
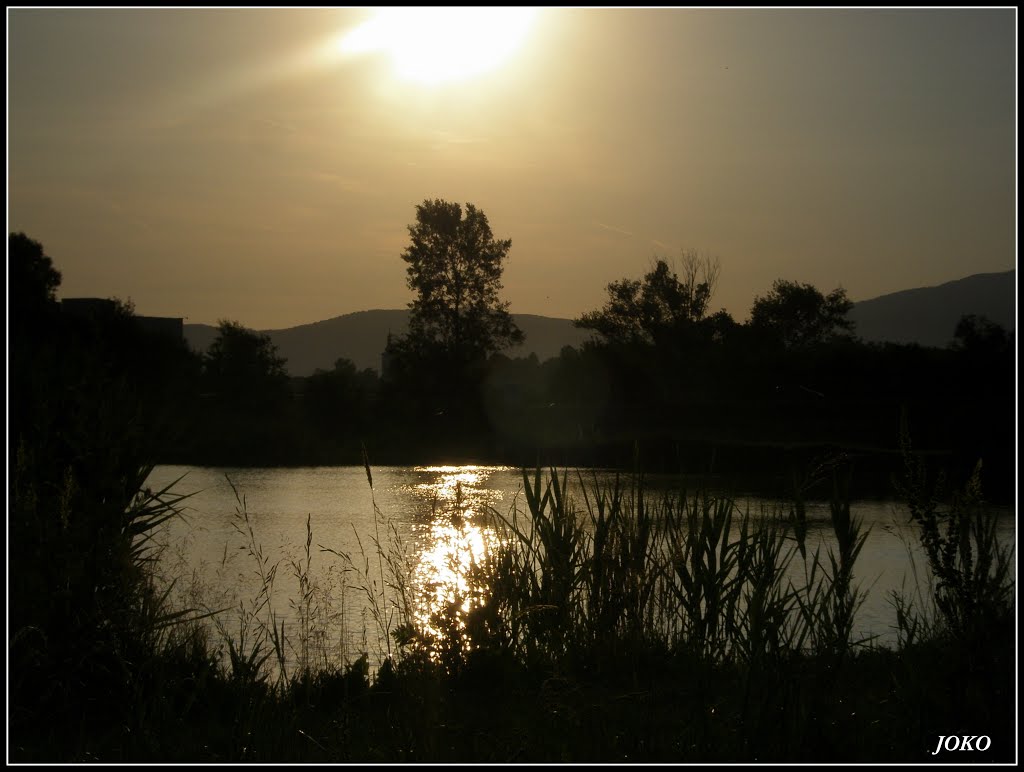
{"x":928,"y":315}
{"x":925,"y":315}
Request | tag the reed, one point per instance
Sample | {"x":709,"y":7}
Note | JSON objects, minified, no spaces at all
{"x":831,"y":605}
{"x":606,"y":623}
{"x":973,"y":583}
{"x":624,"y":570}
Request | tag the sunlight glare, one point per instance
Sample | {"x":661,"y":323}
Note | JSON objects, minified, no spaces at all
{"x":438,"y":45}
{"x":452,"y":545}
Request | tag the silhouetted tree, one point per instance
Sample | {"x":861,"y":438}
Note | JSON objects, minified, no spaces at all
{"x":338,"y":401}
{"x":659,"y":307}
{"x":32,"y":270}
{"x":33,"y":318}
{"x":96,"y":399}
{"x":456,"y":321}
{"x":242,"y":368}
{"x":246,"y":414}
{"x":982,"y":378}
{"x":33,"y":279}
{"x":455,"y":266}
{"x":654,"y":335}
{"x":798,"y":315}
{"x":976,"y":333}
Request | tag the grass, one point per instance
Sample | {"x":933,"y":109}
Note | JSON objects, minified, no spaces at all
{"x":972,"y":572}
{"x":611,"y":625}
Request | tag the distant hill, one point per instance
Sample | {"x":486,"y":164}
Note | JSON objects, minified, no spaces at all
{"x":361,"y":337}
{"x":927,"y":315}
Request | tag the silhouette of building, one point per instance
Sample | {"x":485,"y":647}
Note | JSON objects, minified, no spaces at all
{"x":87,"y":306}
{"x":172,"y":326}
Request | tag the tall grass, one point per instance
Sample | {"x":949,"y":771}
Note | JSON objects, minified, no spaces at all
{"x":606,"y":622}
{"x":623,"y":570}
{"x":834,"y":599}
{"x":99,"y":646}
{"x":572,"y":585}
{"x":972,"y":575}
{"x":267,"y":645}
{"x":388,"y":594}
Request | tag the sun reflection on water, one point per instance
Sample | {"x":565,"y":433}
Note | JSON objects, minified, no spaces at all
{"x":454,"y":537}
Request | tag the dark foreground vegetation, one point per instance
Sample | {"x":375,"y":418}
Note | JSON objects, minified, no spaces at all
{"x":617,"y":628}
{"x":613,"y":629}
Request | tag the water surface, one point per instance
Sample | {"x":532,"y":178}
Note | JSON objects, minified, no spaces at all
{"x":431,"y":526}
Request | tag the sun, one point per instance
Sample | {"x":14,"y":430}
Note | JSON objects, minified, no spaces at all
{"x":441,"y":45}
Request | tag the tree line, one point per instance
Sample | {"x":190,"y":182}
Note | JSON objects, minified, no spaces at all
{"x":689,"y":386}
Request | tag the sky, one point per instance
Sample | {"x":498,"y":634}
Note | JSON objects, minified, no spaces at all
{"x":263,"y":165}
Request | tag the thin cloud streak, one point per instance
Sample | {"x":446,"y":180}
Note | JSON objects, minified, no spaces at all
{"x":613,"y":229}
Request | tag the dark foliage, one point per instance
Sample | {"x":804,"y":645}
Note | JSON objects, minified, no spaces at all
{"x":95,"y":401}
{"x":661,"y":307}
{"x":455,"y":267}
{"x":798,"y":315}
{"x":457,"y":321}
{"x":96,"y":398}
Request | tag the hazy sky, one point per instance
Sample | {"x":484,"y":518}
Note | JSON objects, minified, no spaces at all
{"x":236,"y":164}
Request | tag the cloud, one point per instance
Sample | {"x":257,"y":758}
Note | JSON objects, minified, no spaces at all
{"x":612,"y":228}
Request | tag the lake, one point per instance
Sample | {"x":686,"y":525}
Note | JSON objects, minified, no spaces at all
{"x":430,"y":527}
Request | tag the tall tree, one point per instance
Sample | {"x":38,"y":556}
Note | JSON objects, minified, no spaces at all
{"x":799,"y":315}
{"x":455,"y":267}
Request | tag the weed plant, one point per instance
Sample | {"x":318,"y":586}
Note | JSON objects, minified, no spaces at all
{"x":609,"y":625}
{"x":974,"y":585}
{"x":689,"y":574}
